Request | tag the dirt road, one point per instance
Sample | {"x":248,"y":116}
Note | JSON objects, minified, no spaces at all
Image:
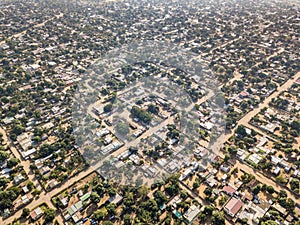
{"x":35,"y":26}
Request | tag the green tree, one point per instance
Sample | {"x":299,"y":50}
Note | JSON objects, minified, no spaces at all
{"x":100,"y":214}
{"x":208,"y":210}
{"x":122,"y":128}
{"x":25,"y":212}
{"x":108,"y":223}
{"x":256,"y":189}
{"x":295,"y":125}
{"x":127,"y":219}
{"x":218,"y":218}
{"x":112,"y":192}
{"x":143,"y":191}
{"x":153,"y":109}
{"x":95,"y":198}
{"x":270,"y":189}
{"x":226,"y":158}
{"x":269,"y":222}
{"x":12,"y":162}
{"x":3,"y":156}
{"x":160,"y":197}
{"x":49,"y":214}
{"x":111,"y":209}
{"x":241,"y":130}
{"x":4,"y":181}
{"x":208,"y":191}
{"x":107,"y":108}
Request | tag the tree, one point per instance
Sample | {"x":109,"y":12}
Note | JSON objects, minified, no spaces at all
{"x":3,"y":156}
{"x":141,"y":114}
{"x":107,"y":108}
{"x":122,"y":128}
{"x":256,"y":189}
{"x":49,"y":215}
{"x":269,"y":222}
{"x":127,"y":219}
{"x":95,"y":198}
{"x":290,"y":205}
{"x":112,"y":192}
{"x":25,"y":212}
{"x":281,"y":179}
{"x":270,"y":189}
{"x":111,"y":208}
{"x":208,"y":210}
{"x":160,"y":197}
{"x":4,"y":181}
{"x":202,"y":217}
{"x":208,"y":191}
{"x":226,"y":158}
{"x":153,"y":109}
{"x":143,"y":191}
{"x":218,"y":218}
{"x":108,"y":223}
{"x":12,"y":162}
{"x":196,"y":184}
{"x":17,"y":129}
{"x":232,"y":150}
{"x":295,"y":125}
{"x":295,"y":185}
{"x":241,"y":130}
{"x":100,"y":214}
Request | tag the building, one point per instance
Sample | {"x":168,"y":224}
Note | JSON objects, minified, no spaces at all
{"x":233,"y":207}
{"x":117,"y":199}
{"x":36,"y":214}
{"x":191,"y":214}
{"x":228,"y":190}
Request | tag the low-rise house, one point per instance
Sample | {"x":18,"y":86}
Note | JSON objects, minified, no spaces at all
{"x":116,"y":199}
{"x":36,"y":214}
{"x":191,"y":214}
{"x":229,"y":190}
{"x":19,"y":178}
{"x":233,"y":206}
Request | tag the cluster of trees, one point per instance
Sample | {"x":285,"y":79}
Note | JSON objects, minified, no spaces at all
{"x":243,"y":139}
{"x":285,"y":202}
{"x":8,"y":196}
{"x":141,"y":114}
{"x":295,"y":185}
{"x":173,"y":132}
{"x":153,"y":109}
{"x":122,"y":128}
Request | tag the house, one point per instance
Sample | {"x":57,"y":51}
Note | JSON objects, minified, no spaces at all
{"x":117,"y":199}
{"x":52,"y":183}
{"x":19,"y":178}
{"x":275,"y":160}
{"x":225,"y":168}
{"x":276,"y":171}
{"x":253,"y":212}
{"x":229,"y":190}
{"x":191,"y":213}
{"x":86,"y":196}
{"x":233,"y":206}
{"x":36,"y":214}
{"x":185,"y":174}
{"x":280,"y":209}
{"x":63,"y":200}
{"x":211,"y":181}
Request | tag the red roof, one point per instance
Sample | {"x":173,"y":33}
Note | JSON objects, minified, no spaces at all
{"x":228,"y":189}
{"x":233,"y":206}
